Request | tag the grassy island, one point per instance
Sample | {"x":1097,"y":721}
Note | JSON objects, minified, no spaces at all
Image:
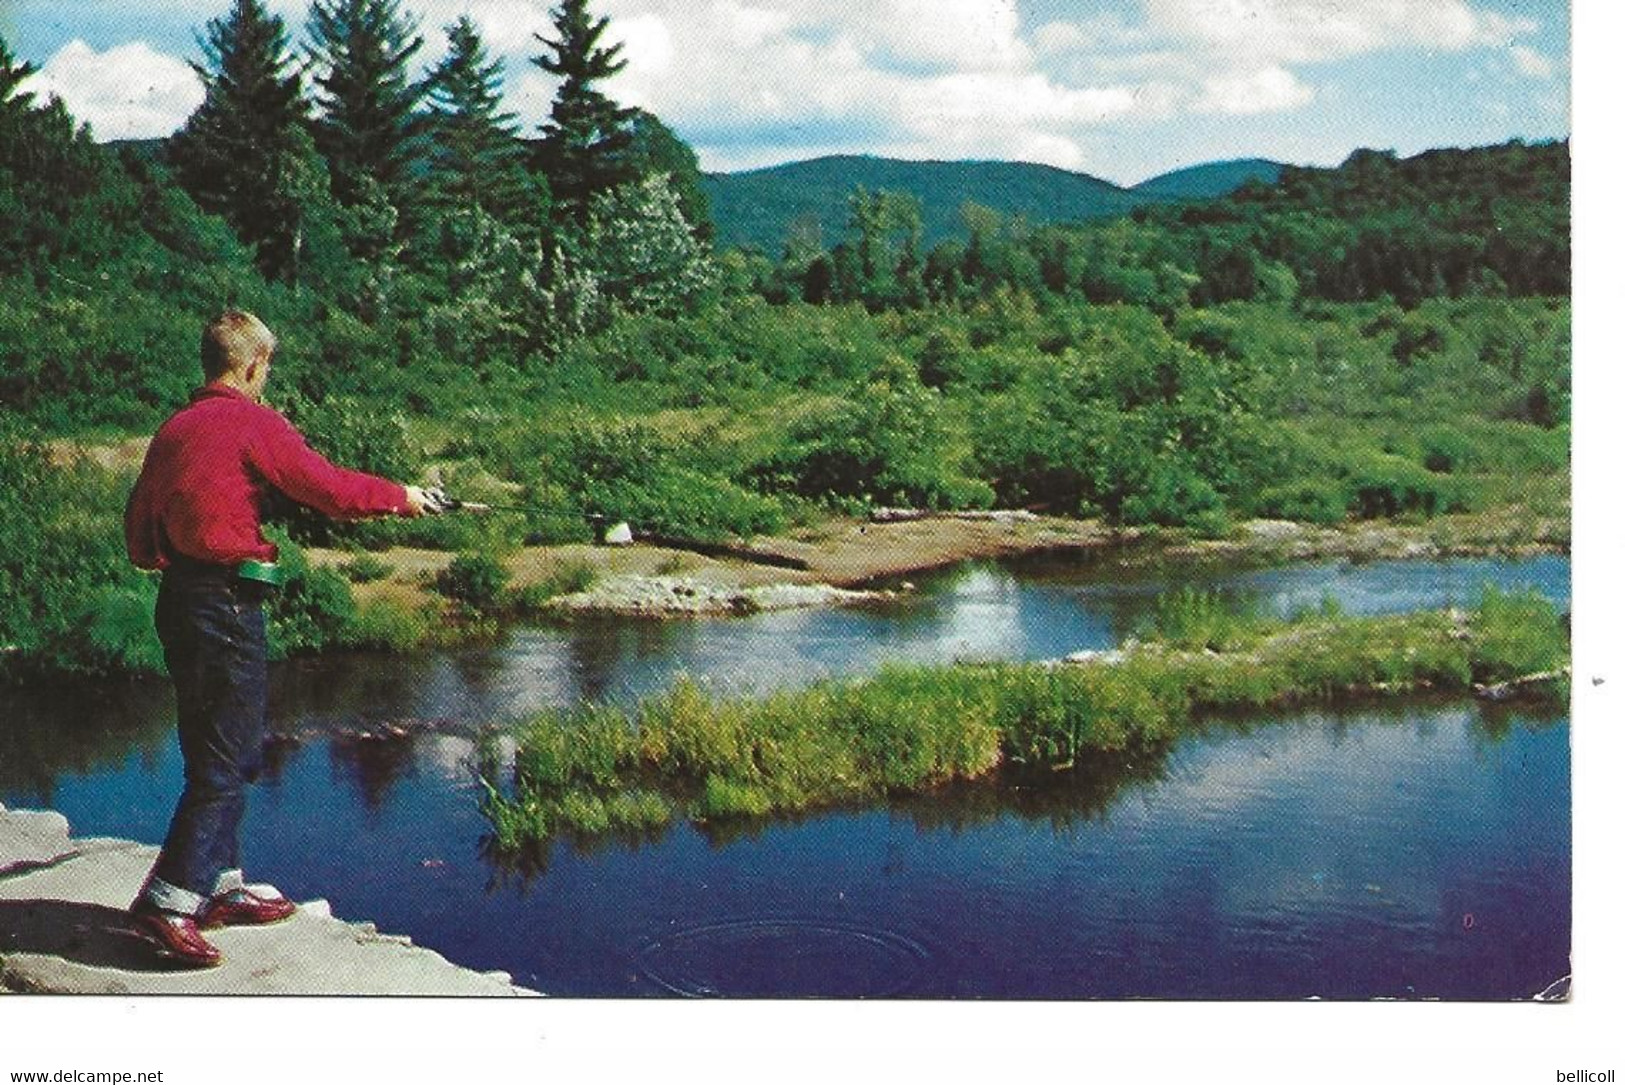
{"x":911,"y":728}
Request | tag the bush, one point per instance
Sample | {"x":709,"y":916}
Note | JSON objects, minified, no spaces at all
{"x":1383,"y":485}
{"x":62,"y":563}
{"x":474,"y":579}
{"x":389,"y":625}
{"x":890,"y":446}
{"x":627,"y":471}
{"x":1312,"y":501}
{"x":313,"y":610}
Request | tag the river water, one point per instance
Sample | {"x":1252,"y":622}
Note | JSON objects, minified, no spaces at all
{"x":1417,"y":849}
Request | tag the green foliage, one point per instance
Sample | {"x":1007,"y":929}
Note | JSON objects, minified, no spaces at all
{"x":890,"y":446}
{"x":389,"y":625}
{"x":657,"y":151}
{"x":62,"y":564}
{"x":1198,"y":620}
{"x":474,"y":579}
{"x":909,"y":729}
{"x":587,"y":137}
{"x":367,"y":128}
{"x":1383,"y":485}
{"x":567,"y":578}
{"x":1515,"y":634}
{"x":243,"y":154}
{"x":475,"y":160}
{"x":1485,"y":222}
{"x":627,"y":471}
{"x":313,"y":610}
{"x":642,"y":252}
{"x":365,"y":569}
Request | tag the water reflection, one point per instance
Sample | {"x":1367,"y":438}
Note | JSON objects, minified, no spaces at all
{"x":1332,"y":853}
{"x":373,"y":763}
{"x":78,"y":730}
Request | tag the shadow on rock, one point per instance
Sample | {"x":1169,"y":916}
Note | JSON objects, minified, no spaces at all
{"x":85,"y":934}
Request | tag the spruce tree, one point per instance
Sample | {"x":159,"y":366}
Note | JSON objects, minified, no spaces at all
{"x":475,"y":157}
{"x":13,"y":102}
{"x":585,"y":142}
{"x":369,"y":129}
{"x":241,"y":153}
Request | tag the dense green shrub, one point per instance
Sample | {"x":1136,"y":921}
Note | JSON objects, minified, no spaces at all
{"x":627,"y":471}
{"x":1382,"y":485}
{"x":62,"y":561}
{"x":892,"y":445}
{"x":312,"y":610}
{"x":474,"y":579}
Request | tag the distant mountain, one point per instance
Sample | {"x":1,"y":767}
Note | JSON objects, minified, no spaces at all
{"x":1210,"y":180}
{"x":760,"y":207}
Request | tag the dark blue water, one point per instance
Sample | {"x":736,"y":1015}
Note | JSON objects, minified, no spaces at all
{"x":1413,"y":851}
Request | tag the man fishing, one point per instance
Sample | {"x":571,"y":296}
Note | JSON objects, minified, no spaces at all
{"x":195,"y":513}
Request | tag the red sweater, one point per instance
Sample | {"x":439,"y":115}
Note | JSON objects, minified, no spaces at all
{"x":209,"y":471}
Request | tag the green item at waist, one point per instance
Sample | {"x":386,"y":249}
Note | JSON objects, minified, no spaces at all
{"x":262,"y":572}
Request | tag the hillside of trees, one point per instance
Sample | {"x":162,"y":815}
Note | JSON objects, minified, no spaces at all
{"x":546,"y":317}
{"x":763,"y":208}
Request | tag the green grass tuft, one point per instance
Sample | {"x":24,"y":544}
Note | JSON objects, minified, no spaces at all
{"x":912,"y":728}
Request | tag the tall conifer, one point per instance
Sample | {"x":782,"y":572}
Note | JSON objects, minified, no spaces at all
{"x":586,"y":140}
{"x":12,"y":73}
{"x":475,"y":157}
{"x":368,"y":129}
{"x":244,"y":153}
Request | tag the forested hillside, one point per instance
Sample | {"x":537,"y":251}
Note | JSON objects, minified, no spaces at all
{"x":544,"y":317}
{"x":767,"y":208}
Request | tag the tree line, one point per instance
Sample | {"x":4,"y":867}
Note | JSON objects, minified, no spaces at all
{"x":1484,"y":222}
{"x":342,"y":173}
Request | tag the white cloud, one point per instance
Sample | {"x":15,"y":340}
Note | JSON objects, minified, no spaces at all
{"x":1302,"y":31}
{"x":129,"y":92}
{"x":647,"y":45}
{"x":1266,"y":90}
{"x":1532,"y":63}
{"x":941,"y":35}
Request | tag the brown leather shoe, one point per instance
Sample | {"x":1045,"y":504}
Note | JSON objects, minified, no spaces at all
{"x":175,"y":936}
{"x":241,"y":908}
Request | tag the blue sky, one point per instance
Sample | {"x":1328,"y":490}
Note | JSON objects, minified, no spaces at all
{"x":1122,"y":89}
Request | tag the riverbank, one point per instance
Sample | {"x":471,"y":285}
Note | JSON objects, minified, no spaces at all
{"x":837,"y":561}
{"x":62,"y":902}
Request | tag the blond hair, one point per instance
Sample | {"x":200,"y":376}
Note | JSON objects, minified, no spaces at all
{"x":233,"y":340}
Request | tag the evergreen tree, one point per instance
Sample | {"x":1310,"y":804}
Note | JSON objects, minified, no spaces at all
{"x":242,"y":152}
{"x":13,"y":102}
{"x":475,"y":157}
{"x":587,"y":138}
{"x":369,"y":130}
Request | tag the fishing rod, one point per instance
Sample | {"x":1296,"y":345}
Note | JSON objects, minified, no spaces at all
{"x":618,"y":533}
{"x":611,"y":532}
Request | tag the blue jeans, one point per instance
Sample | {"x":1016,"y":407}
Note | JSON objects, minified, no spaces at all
{"x":212,"y":627}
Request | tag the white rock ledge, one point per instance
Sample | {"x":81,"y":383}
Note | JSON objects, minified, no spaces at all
{"x":667,"y":595}
{"x":62,"y":904}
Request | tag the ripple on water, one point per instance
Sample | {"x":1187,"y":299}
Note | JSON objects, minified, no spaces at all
{"x":783,"y":958}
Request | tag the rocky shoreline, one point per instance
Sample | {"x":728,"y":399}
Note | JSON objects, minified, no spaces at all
{"x":62,"y":902}
{"x":839,"y":562}
{"x":665,"y":596}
